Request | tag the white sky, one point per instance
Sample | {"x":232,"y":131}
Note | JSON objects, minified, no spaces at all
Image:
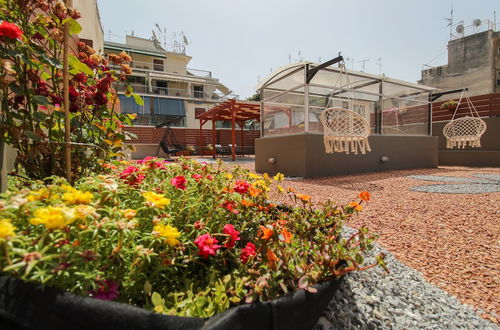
{"x":240,"y":41}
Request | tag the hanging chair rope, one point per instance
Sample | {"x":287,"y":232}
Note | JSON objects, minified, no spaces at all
{"x":344,"y":130}
{"x":465,"y":131}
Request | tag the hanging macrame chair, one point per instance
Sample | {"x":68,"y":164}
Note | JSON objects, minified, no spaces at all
{"x":344,"y":130}
{"x":465,"y":131}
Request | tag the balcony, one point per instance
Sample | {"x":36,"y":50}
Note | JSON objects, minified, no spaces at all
{"x":157,"y":67}
{"x":177,"y":92}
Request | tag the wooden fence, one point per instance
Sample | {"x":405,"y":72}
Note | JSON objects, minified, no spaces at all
{"x":487,"y":105}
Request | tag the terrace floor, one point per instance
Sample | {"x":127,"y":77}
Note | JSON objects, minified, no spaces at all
{"x":452,"y":239}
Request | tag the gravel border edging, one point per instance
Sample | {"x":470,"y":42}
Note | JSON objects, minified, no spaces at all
{"x":402,"y":299}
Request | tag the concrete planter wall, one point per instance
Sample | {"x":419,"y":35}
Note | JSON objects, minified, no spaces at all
{"x":303,"y":155}
{"x":7,"y":159}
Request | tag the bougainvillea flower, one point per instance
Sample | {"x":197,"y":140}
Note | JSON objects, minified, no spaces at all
{"x":247,"y":252}
{"x":241,"y":187}
{"x":234,"y":236}
{"x":266,"y":233}
{"x":10,"y":30}
{"x":364,"y":196}
{"x":179,"y":182}
{"x":207,"y":245}
{"x":230,"y":206}
{"x":108,"y":290}
{"x":168,"y":232}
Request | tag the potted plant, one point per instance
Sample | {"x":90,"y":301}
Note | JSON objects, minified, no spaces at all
{"x":449,"y":105}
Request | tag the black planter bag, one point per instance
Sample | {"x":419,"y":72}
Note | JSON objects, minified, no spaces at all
{"x":28,"y":306}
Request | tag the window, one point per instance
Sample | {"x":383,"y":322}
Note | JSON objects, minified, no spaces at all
{"x":157,"y":65}
{"x":498,"y":82}
{"x":161,"y":87}
{"x":198,"y":91}
{"x":198,"y":112}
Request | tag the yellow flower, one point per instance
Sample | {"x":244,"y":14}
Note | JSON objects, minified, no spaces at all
{"x":266,"y":177}
{"x":261,"y":184}
{"x":38,"y":195}
{"x":82,"y":212}
{"x":279,"y":177}
{"x":229,"y":176}
{"x":68,"y":188}
{"x":6,"y":229}
{"x":280,"y":188}
{"x":355,"y":206}
{"x":156,"y":200}
{"x":129,"y":214}
{"x":254,"y":176}
{"x":168,"y":232}
{"x":159,"y":309}
{"x":78,"y":197}
{"x":52,"y":217}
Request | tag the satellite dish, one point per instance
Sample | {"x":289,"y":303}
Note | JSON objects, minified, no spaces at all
{"x":460,"y":28}
{"x":476,"y":22}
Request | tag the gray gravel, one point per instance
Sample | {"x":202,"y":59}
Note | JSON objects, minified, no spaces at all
{"x":447,"y":178}
{"x":402,"y":299}
{"x":488,"y":176}
{"x":471,"y":188}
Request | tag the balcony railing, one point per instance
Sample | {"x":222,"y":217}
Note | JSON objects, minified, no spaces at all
{"x":176,"y":92}
{"x":156,"y":67}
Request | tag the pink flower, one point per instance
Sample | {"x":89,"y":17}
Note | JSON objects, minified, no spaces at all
{"x":247,"y":252}
{"x":209,"y":177}
{"x":10,"y":30}
{"x":207,"y":245}
{"x":241,"y":187}
{"x":234,"y":236}
{"x":108,"y":290}
{"x":197,"y":177}
{"x":179,"y":182}
{"x":132,"y":176}
{"x":146,"y":159}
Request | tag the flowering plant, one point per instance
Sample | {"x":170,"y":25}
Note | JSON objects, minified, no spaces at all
{"x":449,"y":105}
{"x":31,"y":91}
{"x":188,"y":238}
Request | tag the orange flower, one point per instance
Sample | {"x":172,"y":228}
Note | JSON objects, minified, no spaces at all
{"x":364,"y":196}
{"x":254,"y":192}
{"x":271,"y":256}
{"x":291,"y":190}
{"x":304,"y":198}
{"x":287,"y":236}
{"x":266,"y":233}
{"x":355,"y":206}
{"x":281,"y":222}
{"x":247,"y":203}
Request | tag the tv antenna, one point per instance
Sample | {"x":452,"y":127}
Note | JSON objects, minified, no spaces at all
{"x":363,"y":62}
{"x":450,"y":22}
{"x":379,"y":63}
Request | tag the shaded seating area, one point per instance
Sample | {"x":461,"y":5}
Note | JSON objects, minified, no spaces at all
{"x":235,"y":112}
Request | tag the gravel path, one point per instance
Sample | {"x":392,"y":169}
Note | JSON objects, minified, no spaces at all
{"x":402,"y":299}
{"x":453,"y":240}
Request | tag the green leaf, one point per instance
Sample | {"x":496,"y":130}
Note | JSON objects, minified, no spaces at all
{"x":138,"y":99}
{"x":74,"y":27}
{"x":156,"y":299}
{"x":81,"y":67}
{"x":40,"y":100}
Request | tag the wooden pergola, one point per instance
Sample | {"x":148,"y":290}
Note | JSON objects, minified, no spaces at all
{"x":236,"y":112}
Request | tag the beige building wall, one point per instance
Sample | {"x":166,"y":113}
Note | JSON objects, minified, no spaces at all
{"x":90,"y":22}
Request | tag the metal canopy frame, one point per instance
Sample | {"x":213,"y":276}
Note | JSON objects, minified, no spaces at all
{"x":236,"y":112}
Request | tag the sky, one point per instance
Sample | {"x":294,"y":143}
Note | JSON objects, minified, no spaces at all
{"x":242,"y":41}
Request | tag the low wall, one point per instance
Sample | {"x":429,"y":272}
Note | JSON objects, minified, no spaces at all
{"x":7,"y":159}
{"x":303,"y":155}
{"x":487,"y":155}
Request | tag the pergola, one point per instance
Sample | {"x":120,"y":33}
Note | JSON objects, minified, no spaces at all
{"x":236,"y":112}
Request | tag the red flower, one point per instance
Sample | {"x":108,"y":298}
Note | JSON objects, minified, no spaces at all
{"x":179,"y":182}
{"x":230,"y":206}
{"x":241,"y":187}
{"x":197,"y":177}
{"x":132,"y":176}
{"x":81,"y":77}
{"x":234,"y":236}
{"x":108,"y":290}
{"x":10,"y":30}
{"x":207,"y":245}
{"x":209,"y":177}
{"x":247,"y":252}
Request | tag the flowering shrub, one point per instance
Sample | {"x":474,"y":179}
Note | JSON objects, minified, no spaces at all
{"x":189,"y":239}
{"x":449,"y":105}
{"x":31,"y":91}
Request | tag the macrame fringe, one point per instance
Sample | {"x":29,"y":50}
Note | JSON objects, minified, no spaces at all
{"x":346,"y":144}
{"x":462,"y":142}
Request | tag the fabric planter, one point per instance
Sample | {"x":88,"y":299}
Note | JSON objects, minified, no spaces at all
{"x":29,"y":306}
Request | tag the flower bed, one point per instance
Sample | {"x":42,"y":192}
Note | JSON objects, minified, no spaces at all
{"x":186,"y":238}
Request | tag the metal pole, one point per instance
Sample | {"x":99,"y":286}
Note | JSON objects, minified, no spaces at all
{"x":67,"y":131}
{"x":3,"y":168}
{"x":306,"y":100}
{"x":214,"y":137}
